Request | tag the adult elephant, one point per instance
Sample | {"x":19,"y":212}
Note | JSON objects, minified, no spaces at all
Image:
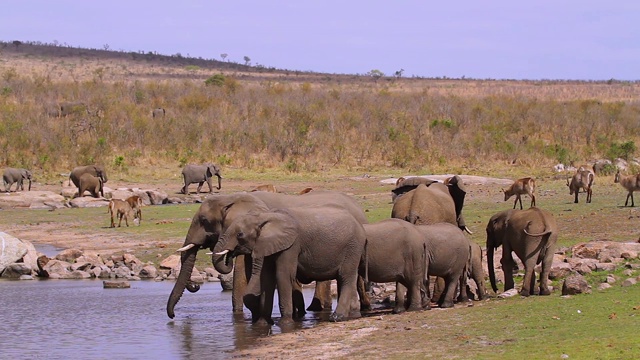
{"x":396,"y":253}
{"x":12,"y":175}
{"x":218,"y":212}
{"x":95,"y":170}
{"x":308,"y":244}
{"x":532,"y":234}
{"x":199,"y":174}
{"x":423,"y":201}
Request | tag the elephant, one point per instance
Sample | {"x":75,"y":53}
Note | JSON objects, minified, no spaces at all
{"x":12,"y":175}
{"x":430,"y":202}
{"x":216,"y":214}
{"x":77,"y":172}
{"x":90,"y":183}
{"x":447,"y":256}
{"x":396,"y":253}
{"x":308,"y":244}
{"x":199,"y":174}
{"x":476,"y":271}
{"x":532,"y":234}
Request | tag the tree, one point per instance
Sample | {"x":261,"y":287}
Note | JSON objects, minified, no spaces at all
{"x":375,"y":74}
{"x":224,"y":56}
{"x":247,"y":60}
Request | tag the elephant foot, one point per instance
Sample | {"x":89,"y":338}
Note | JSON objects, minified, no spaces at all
{"x":262,"y":322}
{"x":446,"y":304}
{"x":525,"y":292}
{"x":415,"y":308}
{"x":337,"y":317}
{"x":355,"y":314}
{"x":365,"y":307}
{"x":286,"y":321}
{"x":545,"y":291}
{"x":316,"y":305}
{"x":398,"y":310}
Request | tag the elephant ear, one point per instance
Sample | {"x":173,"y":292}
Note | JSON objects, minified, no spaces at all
{"x":458,"y":191}
{"x":209,"y":173}
{"x":276,"y":232}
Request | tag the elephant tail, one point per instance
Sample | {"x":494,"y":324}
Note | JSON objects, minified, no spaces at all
{"x":545,"y":232}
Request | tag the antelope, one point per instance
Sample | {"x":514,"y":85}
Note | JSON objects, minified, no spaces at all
{"x":521,"y":187}
{"x":629,"y":182}
{"x":119,"y":208}
{"x":136,"y":205}
{"x":582,"y":179}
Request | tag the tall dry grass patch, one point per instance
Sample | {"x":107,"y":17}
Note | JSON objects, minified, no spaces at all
{"x":300,"y":124}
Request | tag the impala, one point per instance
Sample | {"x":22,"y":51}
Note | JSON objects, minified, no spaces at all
{"x":521,"y":187}
{"x":629,"y":182}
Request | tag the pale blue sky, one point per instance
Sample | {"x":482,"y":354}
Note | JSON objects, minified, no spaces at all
{"x":544,"y":39}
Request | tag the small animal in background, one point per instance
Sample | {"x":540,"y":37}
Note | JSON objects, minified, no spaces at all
{"x":629,"y":182}
{"x":136,"y":206}
{"x":582,"y":179}
{"x":305,"y":190}
{"x":521,"y":187}
{"x":267,"y":188}
{"x":120,"y":209}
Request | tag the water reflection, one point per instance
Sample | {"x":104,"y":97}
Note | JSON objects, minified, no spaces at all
{"x":67,"y":319}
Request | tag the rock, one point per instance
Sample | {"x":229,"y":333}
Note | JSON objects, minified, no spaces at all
{"x":122,"y":272}
{"x":130,"y":259}
{"x":88,"y":202}
{"x":26,"y":277}
{"x":41,"y":262}
{"x":31,"y":200}
{"x":57,"y":269}
{"x":170,"y":262}
{"x":629,"y":282}
{"x":605,"y":266}
{"x":13,"y":250}
{"x":77,"y":274}
{"x":627,"y":272}
{"x":120,"y":284}
{"x":611,"y":279}
{"x":575,"y":284}
{"x":148,"y":272}
{"x":174,"y":200}
{"x":559,"y":270}
{"x":508,"y":293}
{"x":604,"y":286}
{"x":16,"y":270}
{"x":69,"y":255}
{"x":94,"y":260}
{"x":82,"y":266}
{"x":157,"y":197}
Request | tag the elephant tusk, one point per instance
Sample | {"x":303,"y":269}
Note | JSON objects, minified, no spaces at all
{"x":209,"y":253}
{"x":468,"y":231}
{"x":185,"y":248}
{"x":223,"y":252}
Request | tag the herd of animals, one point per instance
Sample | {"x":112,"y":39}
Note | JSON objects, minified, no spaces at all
{"x":274,"y":241}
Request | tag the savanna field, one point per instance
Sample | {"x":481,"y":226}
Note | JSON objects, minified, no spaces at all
{"x":341,"y":132}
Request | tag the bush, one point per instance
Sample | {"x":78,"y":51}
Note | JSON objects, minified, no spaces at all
{"x":216,"y":80}
{"x":621,"y":150}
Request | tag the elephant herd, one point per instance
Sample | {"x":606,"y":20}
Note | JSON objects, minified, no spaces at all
{"x":274,"y":241}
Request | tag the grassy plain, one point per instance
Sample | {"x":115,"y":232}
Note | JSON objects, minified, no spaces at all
{"x":341,"y":132}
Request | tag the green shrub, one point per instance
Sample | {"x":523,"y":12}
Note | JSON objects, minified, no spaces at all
{"x":623,"y":150}
{"x":216,"y":80}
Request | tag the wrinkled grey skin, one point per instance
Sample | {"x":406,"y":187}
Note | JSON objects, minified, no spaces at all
{"x":532,"y":234}
{"x":396,"y":253}
{"x":95,"y":170}
{"x":215,"y":215}
{"x":12,"y":175}
{"x":90,"y":183}
{"x":476,"y":272}
{"x":448,"y":253}
{"x":308,"y":244}
{"x":423,"y":201}
{"x":199,"y":174}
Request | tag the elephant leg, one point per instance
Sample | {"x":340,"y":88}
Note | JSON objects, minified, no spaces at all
{"x":209,"y":183}
{"x":529,"y":278}
{"x":347,"y":292}
{"x":285,"y":281}
{"x":438,"y":289}
{"x":321,"y":297}
{"x":463,"y":296}
{"x":401,"y":294}
{"x":544,"y":273}
{"x":185,"y":189}
{"x":298,"y":301}
{"x":414,"y":296}
{"x":446,"y":299}
{"x":199,"y":187}
{"x":365,"y":301}
{"x":507,"y":267}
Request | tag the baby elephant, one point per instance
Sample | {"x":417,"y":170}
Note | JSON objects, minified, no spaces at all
{"x":119,"y":208}
{"x":92,"y":184}
{"x":135,"y":202}
{"x":17,"y":176}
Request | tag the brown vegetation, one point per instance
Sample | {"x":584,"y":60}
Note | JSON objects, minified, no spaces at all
{"x":251,"y":117}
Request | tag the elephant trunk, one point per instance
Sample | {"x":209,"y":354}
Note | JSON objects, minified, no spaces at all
{"x":188,"y":260}
{"x":219,"y":181}
{"x":253,"y":292}
{"x":222,"y":257}
{"x":492,"y":272}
